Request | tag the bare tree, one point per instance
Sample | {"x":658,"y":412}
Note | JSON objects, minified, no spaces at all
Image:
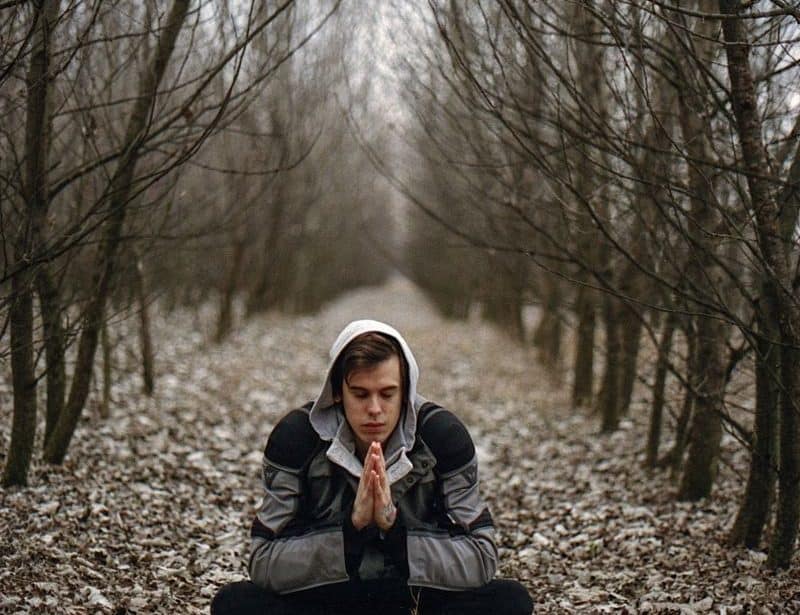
{"x":636,"y":107}
{"x":28,"y":238}
{"x":117,"y":186}
{"x":779,"y":292}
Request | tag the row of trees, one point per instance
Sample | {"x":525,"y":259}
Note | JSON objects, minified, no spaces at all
{"x":164,"y":150}
{"x":632,"y":168}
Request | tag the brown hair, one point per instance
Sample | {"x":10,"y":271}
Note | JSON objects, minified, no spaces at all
{"x":366,"y":351}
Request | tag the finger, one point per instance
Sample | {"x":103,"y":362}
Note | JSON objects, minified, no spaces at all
{"x":382,"y":461}
{"x":380,"y":499}
{"x":368,"y":461}
{"x":378,"y":452}
{"x":365,"y":495}
{"x":373,"y":485}
{"x":368,"y":468}
{"x":380,"y":472}
{"x":382,"y":496}
{"x":380,"y":468}
{"x":361,"y":500}
{"x":363,"y":485}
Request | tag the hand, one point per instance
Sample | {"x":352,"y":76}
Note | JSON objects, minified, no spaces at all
{"x":373,"y":502}
{"x":384,"y":511}
{"x":364,"y":505}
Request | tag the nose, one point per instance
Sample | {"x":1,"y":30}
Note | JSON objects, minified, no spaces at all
{"x":373,"y":406}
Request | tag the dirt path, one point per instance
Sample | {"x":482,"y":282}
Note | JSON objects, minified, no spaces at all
{"x":150,"y":514}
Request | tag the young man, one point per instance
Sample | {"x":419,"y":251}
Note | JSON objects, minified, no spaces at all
{"x":372,"y":501}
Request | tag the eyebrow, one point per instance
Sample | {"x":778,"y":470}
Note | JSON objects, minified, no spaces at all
{"x":391,"y":387}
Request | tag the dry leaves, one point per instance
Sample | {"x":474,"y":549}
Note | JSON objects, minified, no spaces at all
{"x":151,"y":511}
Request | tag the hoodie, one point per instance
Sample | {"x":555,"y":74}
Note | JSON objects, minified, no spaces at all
{"x":302,"y":535}
{"x":327,"y":417}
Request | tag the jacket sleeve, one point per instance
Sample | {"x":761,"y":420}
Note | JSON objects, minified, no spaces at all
{"x":462,"y":552}
{"x":287,"y":552}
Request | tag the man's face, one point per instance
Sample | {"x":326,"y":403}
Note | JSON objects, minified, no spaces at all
{"x":372,"y":400}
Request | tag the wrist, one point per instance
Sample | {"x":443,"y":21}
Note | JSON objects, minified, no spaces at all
{"x":386,"y":517}
{"x":358,"y":523}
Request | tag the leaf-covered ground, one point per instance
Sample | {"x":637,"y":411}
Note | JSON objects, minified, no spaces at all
{"x":150,"y":513}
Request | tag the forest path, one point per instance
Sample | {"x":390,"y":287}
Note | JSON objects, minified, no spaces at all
{"x":467,"y":365}
{"x":152,"y":509}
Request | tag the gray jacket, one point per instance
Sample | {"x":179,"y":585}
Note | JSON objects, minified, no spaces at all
{"x":302,"y":536}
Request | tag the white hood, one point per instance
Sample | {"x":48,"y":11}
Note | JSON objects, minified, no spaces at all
{"x":327,"y":417}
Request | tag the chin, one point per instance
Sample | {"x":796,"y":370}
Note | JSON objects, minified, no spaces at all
{"x":373,"y":437}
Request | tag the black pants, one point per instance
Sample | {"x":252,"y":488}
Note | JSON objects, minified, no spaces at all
{"x":499,"y":597}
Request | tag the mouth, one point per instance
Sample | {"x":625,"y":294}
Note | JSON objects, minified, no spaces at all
{"x":372,"y":427}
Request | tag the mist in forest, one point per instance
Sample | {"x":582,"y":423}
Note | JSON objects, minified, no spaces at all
{"x":614,"y":186}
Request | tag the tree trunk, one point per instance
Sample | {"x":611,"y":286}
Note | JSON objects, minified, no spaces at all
{"x":754,"y":510}
{"x":23,"y":427}
{"x":583,"y":368}
{"x":263,"y":294}
{"x":225,"y":320}
{"x":55,"y":347}
{"x":706,"y":431}
{"x":27,"y":242}
{"x":105,"y":344}
{"x":145,"y":339}
{"x":547,"y":337}
{"x":788,"y":509}
{"x":608,"y":401}
{"x":674,"y":459}
{"x":703,"y":277}
{"x":631,"y":341}
{"x":789,"y":199}
{"x":505,"y":313}
{"x":503,"y":306}
{"x":591,"y":247}
{"x":777,"y":275}
{"x":118,"y":196}
{"x":657,"y":408}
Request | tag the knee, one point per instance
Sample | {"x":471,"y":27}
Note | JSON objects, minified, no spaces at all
{"x":234,"y":598}
{"x":512,"y":598}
